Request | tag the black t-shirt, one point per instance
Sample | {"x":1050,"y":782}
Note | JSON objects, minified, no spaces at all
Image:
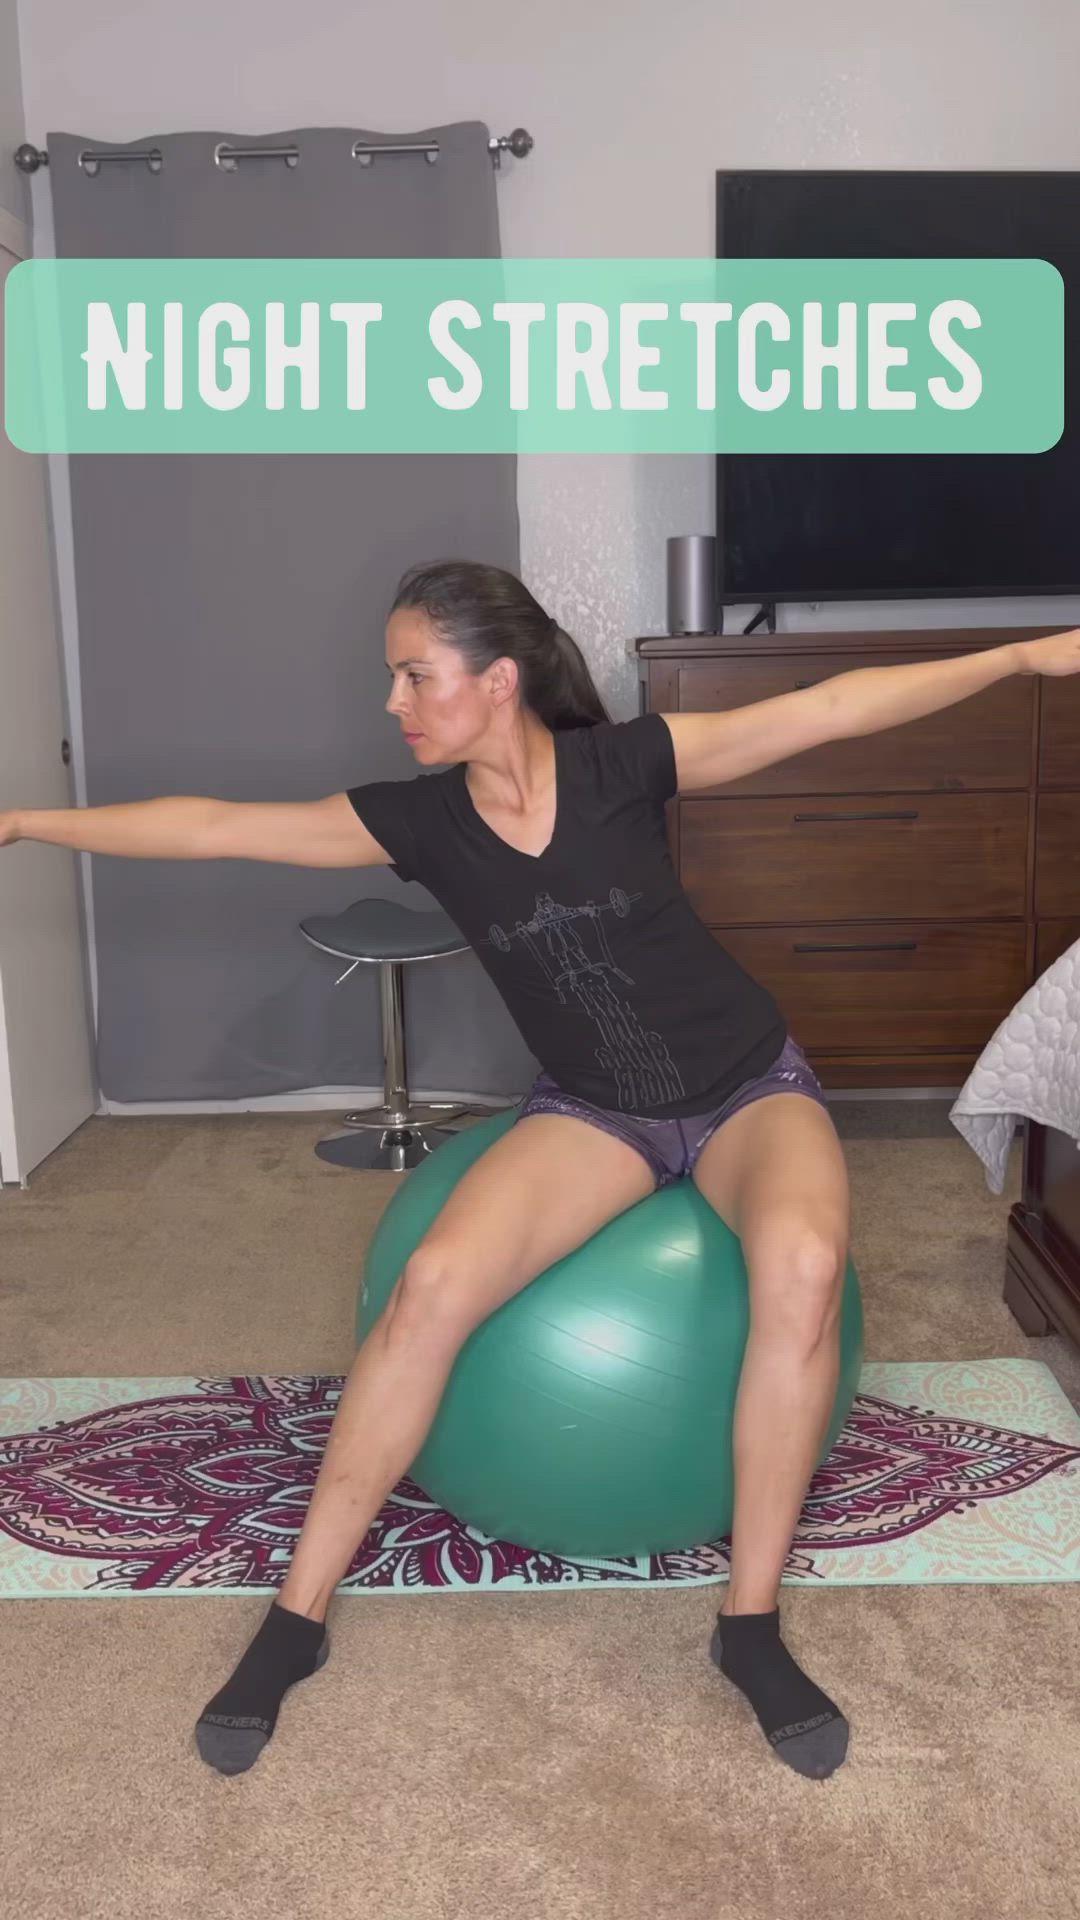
{"x":613,"y":981}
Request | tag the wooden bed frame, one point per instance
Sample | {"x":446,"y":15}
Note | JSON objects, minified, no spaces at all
{"x":1042,"y":1271}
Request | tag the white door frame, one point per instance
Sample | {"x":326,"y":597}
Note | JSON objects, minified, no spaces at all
{"x":13,"y":236}
{"x":58,"y":1072}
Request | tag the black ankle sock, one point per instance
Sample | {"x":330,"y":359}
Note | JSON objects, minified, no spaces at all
{"x":802,"y":1725}
{"x":236,"y":1724}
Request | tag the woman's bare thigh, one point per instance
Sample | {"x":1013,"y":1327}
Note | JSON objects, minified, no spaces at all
{"x":778,"y":1158}
{"x":541,"y":1189}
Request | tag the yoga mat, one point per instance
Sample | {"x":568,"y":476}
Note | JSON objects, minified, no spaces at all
{"x":946,"y":1471}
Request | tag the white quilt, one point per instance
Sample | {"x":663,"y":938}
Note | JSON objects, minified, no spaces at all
{"x":1030,"y":1069}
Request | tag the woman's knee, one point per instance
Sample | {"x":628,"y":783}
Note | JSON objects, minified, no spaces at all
{"x":429,"y":1302}
{"x":797,"y":1267}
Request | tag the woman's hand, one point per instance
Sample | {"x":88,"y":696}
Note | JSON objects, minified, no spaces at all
{"x":1057,"y":654}
{"x":9,"y":828}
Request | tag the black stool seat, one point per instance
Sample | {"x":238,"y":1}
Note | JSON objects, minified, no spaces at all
{"x":384,"y":930}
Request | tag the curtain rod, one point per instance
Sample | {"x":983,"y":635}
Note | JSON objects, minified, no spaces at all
{"x":29,"y":158}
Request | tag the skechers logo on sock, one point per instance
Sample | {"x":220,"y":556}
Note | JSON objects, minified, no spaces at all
{"x":235,"y":1720}
{"x":799,"y":1726}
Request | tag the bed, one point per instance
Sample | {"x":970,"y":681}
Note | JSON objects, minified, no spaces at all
{"x":1029,"y":1074}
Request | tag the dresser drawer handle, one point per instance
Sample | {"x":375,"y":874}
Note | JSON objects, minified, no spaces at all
{"x":911,"y":813}
{"x":855,"y":946}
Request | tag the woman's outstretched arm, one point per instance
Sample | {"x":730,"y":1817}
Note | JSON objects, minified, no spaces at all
{"x":302,"y":833}
{"x":711,"y":748}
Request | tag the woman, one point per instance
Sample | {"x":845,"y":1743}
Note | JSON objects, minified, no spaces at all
{"x":544,"y":840}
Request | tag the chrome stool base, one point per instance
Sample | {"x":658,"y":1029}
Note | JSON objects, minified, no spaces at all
{"x":437,"y":1113}
{"x":394,"y":1150}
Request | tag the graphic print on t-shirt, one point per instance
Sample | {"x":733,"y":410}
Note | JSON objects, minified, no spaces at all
{"x":644,"y":1071}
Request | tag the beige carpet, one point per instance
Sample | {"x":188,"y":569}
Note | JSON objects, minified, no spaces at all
{"x":573,"y":1755}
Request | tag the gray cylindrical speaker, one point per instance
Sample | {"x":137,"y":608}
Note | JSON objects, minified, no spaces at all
{"x":691,"y":583}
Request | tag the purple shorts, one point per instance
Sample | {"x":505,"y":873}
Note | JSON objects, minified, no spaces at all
{"x":671,"y":1147}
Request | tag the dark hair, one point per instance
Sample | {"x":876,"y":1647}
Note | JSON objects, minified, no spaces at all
{"x":488,"y":614}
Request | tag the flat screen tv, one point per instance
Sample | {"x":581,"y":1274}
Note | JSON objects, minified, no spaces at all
{"x":903,"y":526}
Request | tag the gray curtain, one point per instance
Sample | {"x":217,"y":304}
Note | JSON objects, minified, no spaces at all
{"x":231,"y":642}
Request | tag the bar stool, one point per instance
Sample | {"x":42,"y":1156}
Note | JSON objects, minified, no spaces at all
{"x":396,"y":1135}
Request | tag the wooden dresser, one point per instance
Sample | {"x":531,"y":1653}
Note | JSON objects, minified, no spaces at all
{"x":897,"y":893}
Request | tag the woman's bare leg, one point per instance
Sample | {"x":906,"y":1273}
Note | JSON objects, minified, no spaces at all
{"x":775,"y":1172}
{"x":541,"y":1190}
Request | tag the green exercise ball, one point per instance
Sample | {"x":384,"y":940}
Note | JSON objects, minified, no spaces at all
{"x":591,"y":1415}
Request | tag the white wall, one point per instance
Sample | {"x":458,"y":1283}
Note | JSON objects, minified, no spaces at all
{"x":632,"y":106}
{"x":13,"y":201}
{"x":13,"y":194}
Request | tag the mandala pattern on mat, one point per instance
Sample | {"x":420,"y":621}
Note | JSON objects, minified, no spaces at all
{"x":209,"y":1489}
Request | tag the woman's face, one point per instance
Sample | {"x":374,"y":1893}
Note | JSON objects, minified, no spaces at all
{"x":440,"y":707}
